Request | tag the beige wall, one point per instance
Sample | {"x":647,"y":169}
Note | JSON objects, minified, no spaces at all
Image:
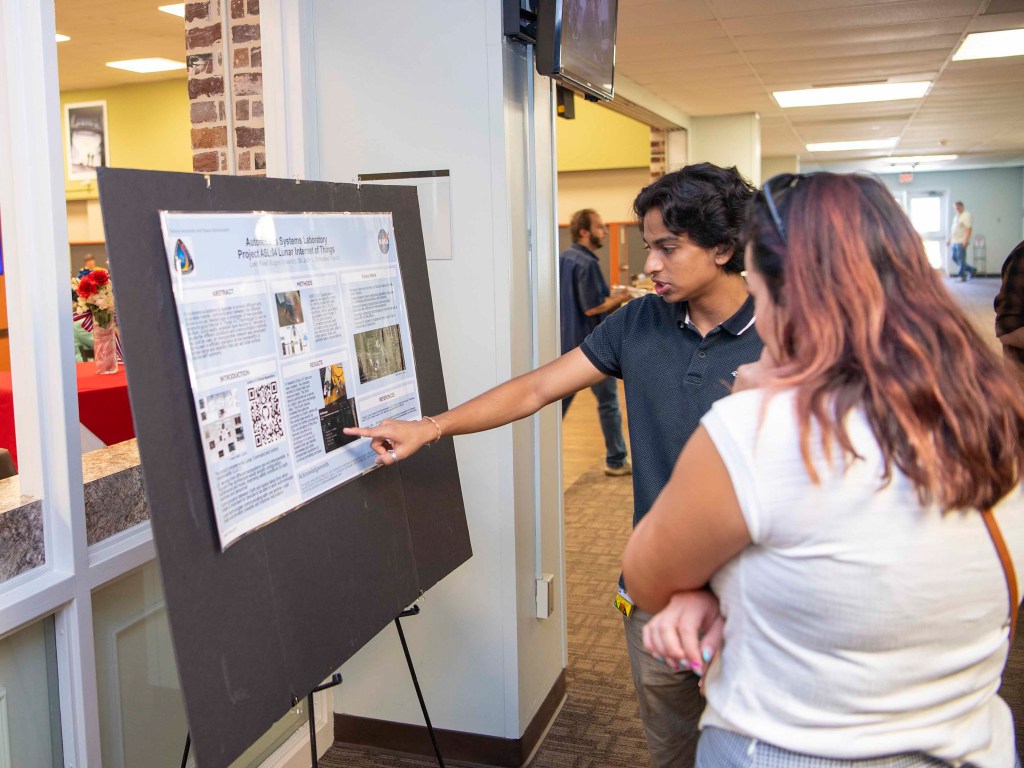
{"x":610,"y":193}
{"x":85,"y":223}
{"x":727,"y":140}
{"x":773,"y":166}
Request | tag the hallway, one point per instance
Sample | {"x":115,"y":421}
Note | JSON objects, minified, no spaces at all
{"x":599,"y":722}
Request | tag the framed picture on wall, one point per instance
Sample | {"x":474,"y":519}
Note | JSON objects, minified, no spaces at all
{"x":85,"y":138}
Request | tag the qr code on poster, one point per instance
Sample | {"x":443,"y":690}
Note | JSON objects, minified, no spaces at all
{"x":265,"y":412}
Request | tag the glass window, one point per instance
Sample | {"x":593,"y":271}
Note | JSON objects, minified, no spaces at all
{"x":29,"y":704}
{"x":936,"y":255}
{"x":926,"y":214}
{"x":111,"y":117}
{"x":21,"y":525}
{"x":142,"y":715}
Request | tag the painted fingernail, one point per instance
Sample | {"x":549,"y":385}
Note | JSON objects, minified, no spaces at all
{"x":706,"y":655}
{"x":659,"y":658}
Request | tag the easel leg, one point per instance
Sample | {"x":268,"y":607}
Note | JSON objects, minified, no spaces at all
{"x":311,"y":712}
{"x":416,"y":683}
{"x":188,"y":745}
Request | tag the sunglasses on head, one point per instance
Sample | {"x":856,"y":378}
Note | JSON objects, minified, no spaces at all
{"x":781,"y":182}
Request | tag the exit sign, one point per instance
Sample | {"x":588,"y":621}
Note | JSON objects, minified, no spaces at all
{"x":906,"y":178}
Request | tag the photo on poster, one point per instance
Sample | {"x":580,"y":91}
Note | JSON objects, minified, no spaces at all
{"x":379,"y":353}
{"x":85,"y":139}
{"x":291,"y":327}
{"x":265,"y":412}
{"x":332,"y":380}
{"x":220,"y":415}
{"x":339,"y":410}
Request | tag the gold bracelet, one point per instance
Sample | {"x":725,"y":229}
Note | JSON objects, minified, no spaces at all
{"x":437,"y":426}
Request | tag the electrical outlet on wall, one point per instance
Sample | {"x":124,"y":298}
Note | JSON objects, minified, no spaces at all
{"x":545,"y":595}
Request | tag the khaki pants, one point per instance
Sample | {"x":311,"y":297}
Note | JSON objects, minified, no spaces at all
{"x":670,"y":702}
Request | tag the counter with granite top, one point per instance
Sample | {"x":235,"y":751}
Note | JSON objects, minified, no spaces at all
{"x":21,"y":530}
{"x":114,"y":501}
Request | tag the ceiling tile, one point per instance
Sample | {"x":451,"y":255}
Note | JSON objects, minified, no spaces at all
{"x":875,"y":15}
{"x":940,"y":45}
{"x":841,"y":36}
{"x":638,"y":15}
{"x":731,"y":9}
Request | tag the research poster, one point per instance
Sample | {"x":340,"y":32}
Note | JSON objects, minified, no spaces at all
{"x":295,"y":327}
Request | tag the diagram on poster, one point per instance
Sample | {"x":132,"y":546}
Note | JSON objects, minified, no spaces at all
{"x":295,"y":327}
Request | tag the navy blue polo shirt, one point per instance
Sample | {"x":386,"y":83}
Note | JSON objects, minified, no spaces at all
{"x":583,"y":288}
{"x":672,"y":376}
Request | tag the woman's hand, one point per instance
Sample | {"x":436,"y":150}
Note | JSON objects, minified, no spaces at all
{"x":687,"y":633}
{"x":394,"y":440}
{"x":756,"y":374}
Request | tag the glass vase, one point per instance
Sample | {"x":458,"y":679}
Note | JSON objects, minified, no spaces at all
{"x":105,"y":348}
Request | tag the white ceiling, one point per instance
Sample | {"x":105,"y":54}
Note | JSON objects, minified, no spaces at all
{"x":710,"y":57}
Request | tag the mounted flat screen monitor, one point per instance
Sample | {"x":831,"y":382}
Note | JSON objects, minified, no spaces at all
{"x":576,"y":44}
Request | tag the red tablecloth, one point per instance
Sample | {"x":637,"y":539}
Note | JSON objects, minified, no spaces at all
{"x":103,"y":407}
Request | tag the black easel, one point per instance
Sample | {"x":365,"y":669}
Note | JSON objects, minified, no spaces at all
{"x":414,"y":611}
{"x":336,"y":680}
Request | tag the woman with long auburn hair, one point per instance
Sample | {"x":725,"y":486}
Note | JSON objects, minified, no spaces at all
{"x":846,"y":504}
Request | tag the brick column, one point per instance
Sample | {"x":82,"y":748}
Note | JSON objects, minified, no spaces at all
{"x":227,"y":123}
{"x":247,"y":88}
{"x":659,"y":153}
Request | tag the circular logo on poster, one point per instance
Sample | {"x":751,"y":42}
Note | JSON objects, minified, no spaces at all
{"x":383,"y":241}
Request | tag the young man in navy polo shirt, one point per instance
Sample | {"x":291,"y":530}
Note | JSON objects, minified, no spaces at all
{"x":677,"y":352}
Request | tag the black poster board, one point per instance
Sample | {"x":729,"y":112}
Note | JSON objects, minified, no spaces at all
{"x":266,"y":620}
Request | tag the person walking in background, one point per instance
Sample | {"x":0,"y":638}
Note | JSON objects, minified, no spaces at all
{"x":960,"y":238}
{"x":585,"y":302}
{"x":840,"y":506}
{"x":1009,"y":306}
{"x":677,"y":352}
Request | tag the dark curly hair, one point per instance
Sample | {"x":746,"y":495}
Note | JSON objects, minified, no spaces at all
{"x":706,"y":202}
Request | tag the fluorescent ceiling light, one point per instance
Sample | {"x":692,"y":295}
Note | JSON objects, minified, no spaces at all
{"x":991,"y":45}
{"x":840,"y":146}
{"x":915,"y":159}
{"x":851,"y":94}
{"x":147,"y":65}
{"x":62,"y":38}
{"x":177,"y":9}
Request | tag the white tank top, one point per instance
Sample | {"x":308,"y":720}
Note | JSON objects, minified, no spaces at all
{"x":859,"y":623}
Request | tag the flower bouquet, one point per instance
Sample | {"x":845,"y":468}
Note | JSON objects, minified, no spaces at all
{"x":96,"y":301}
